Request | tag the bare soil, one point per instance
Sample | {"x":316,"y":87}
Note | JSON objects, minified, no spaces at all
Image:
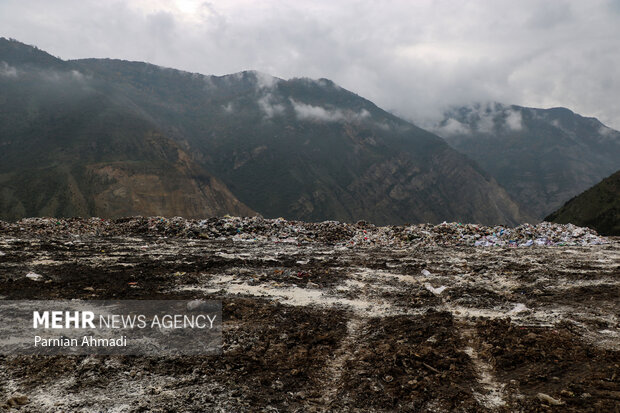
{"x":323,"y":327}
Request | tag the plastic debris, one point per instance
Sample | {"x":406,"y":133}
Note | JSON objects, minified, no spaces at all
{"x":426,"y":273}
{"x":518,"y":308}
{"x":34,"y":276}
{"x":258,"y":229}
{"x":434,"y":290}
{"x":546,"y":398}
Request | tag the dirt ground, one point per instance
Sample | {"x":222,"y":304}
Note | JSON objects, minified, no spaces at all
{"x":324,"y":327}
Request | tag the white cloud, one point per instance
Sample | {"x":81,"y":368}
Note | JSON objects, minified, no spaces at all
{"x":228,"y":108}
{"x":269,"y":106}
{"x":7,"y":70}
{"x":264,"y":80}
{"x":514,"y":120}
{"x":485,"y":118}
{"x":309,"y":112}
{"x":73,"y":76}
{"x":452,"y":127}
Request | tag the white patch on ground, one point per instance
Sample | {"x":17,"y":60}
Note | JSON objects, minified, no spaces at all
{"x":307,"y":297}
{"x":34,"y":276}
{"x":336,"y":366}
{"x":493,"y":396}
{"x":518,"y":308}
{"x":379,"y":276}
{"x":436,"y":291}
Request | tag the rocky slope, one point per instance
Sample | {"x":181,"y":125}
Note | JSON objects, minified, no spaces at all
{"x":308,"y":149}
{"x":597,"y":208}
{"x":71,"y":147}
{"x":543,"y":157}
{"x":298,"y":148}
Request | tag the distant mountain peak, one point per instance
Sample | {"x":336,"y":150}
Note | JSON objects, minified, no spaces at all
{"x":542,"y":156}
{"x":15,"y":53}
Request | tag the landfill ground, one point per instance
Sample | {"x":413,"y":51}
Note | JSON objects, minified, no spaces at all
{"x":319,"y":320}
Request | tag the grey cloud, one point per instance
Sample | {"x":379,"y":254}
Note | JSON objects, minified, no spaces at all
{"x":415,"y":58}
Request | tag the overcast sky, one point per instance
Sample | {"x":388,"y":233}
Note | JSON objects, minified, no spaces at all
{"x":413,"y":57}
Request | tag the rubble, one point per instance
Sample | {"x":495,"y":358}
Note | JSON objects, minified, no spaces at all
{"x":251,"y":229}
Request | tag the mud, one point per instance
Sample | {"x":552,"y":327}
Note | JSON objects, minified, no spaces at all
{"x":322,"y":326}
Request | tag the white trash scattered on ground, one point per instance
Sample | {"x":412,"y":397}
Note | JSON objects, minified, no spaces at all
{"x":518,"y":308}
{"x":252,"y":229}
{"x":436,"y":291}
{"x":34,"y":276}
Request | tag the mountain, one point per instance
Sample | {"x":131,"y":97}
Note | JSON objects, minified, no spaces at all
{"x":308,"y":149}
{"x":543,"y":157}
{"x":299,"y":148}
{"x":597,"y":208}
{"x":72,"y":147}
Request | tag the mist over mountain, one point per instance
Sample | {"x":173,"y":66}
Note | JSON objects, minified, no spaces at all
{"x":71,"y":145}
{"x":299,"y":148}
{"x":543,"y":157}
{"x":597,"y":208}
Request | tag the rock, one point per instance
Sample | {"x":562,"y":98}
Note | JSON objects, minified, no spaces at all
{"x":16,"y":400}
{"x":548,"y":399}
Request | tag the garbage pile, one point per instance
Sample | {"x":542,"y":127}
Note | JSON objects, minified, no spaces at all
{"x":253,"y":229}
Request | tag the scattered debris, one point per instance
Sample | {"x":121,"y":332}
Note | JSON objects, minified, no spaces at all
{"x":34,"y":276}
{"x":303,"y":302}
{"x":518,"y":308}
{"x":548,"y":399}
{"x":434,"y":290}
{"x":252,"y":229}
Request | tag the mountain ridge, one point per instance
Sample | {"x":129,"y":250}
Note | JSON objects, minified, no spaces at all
{"x":71,"y":149}
{"x":298,"y":148}
{"x":543,"y":157}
